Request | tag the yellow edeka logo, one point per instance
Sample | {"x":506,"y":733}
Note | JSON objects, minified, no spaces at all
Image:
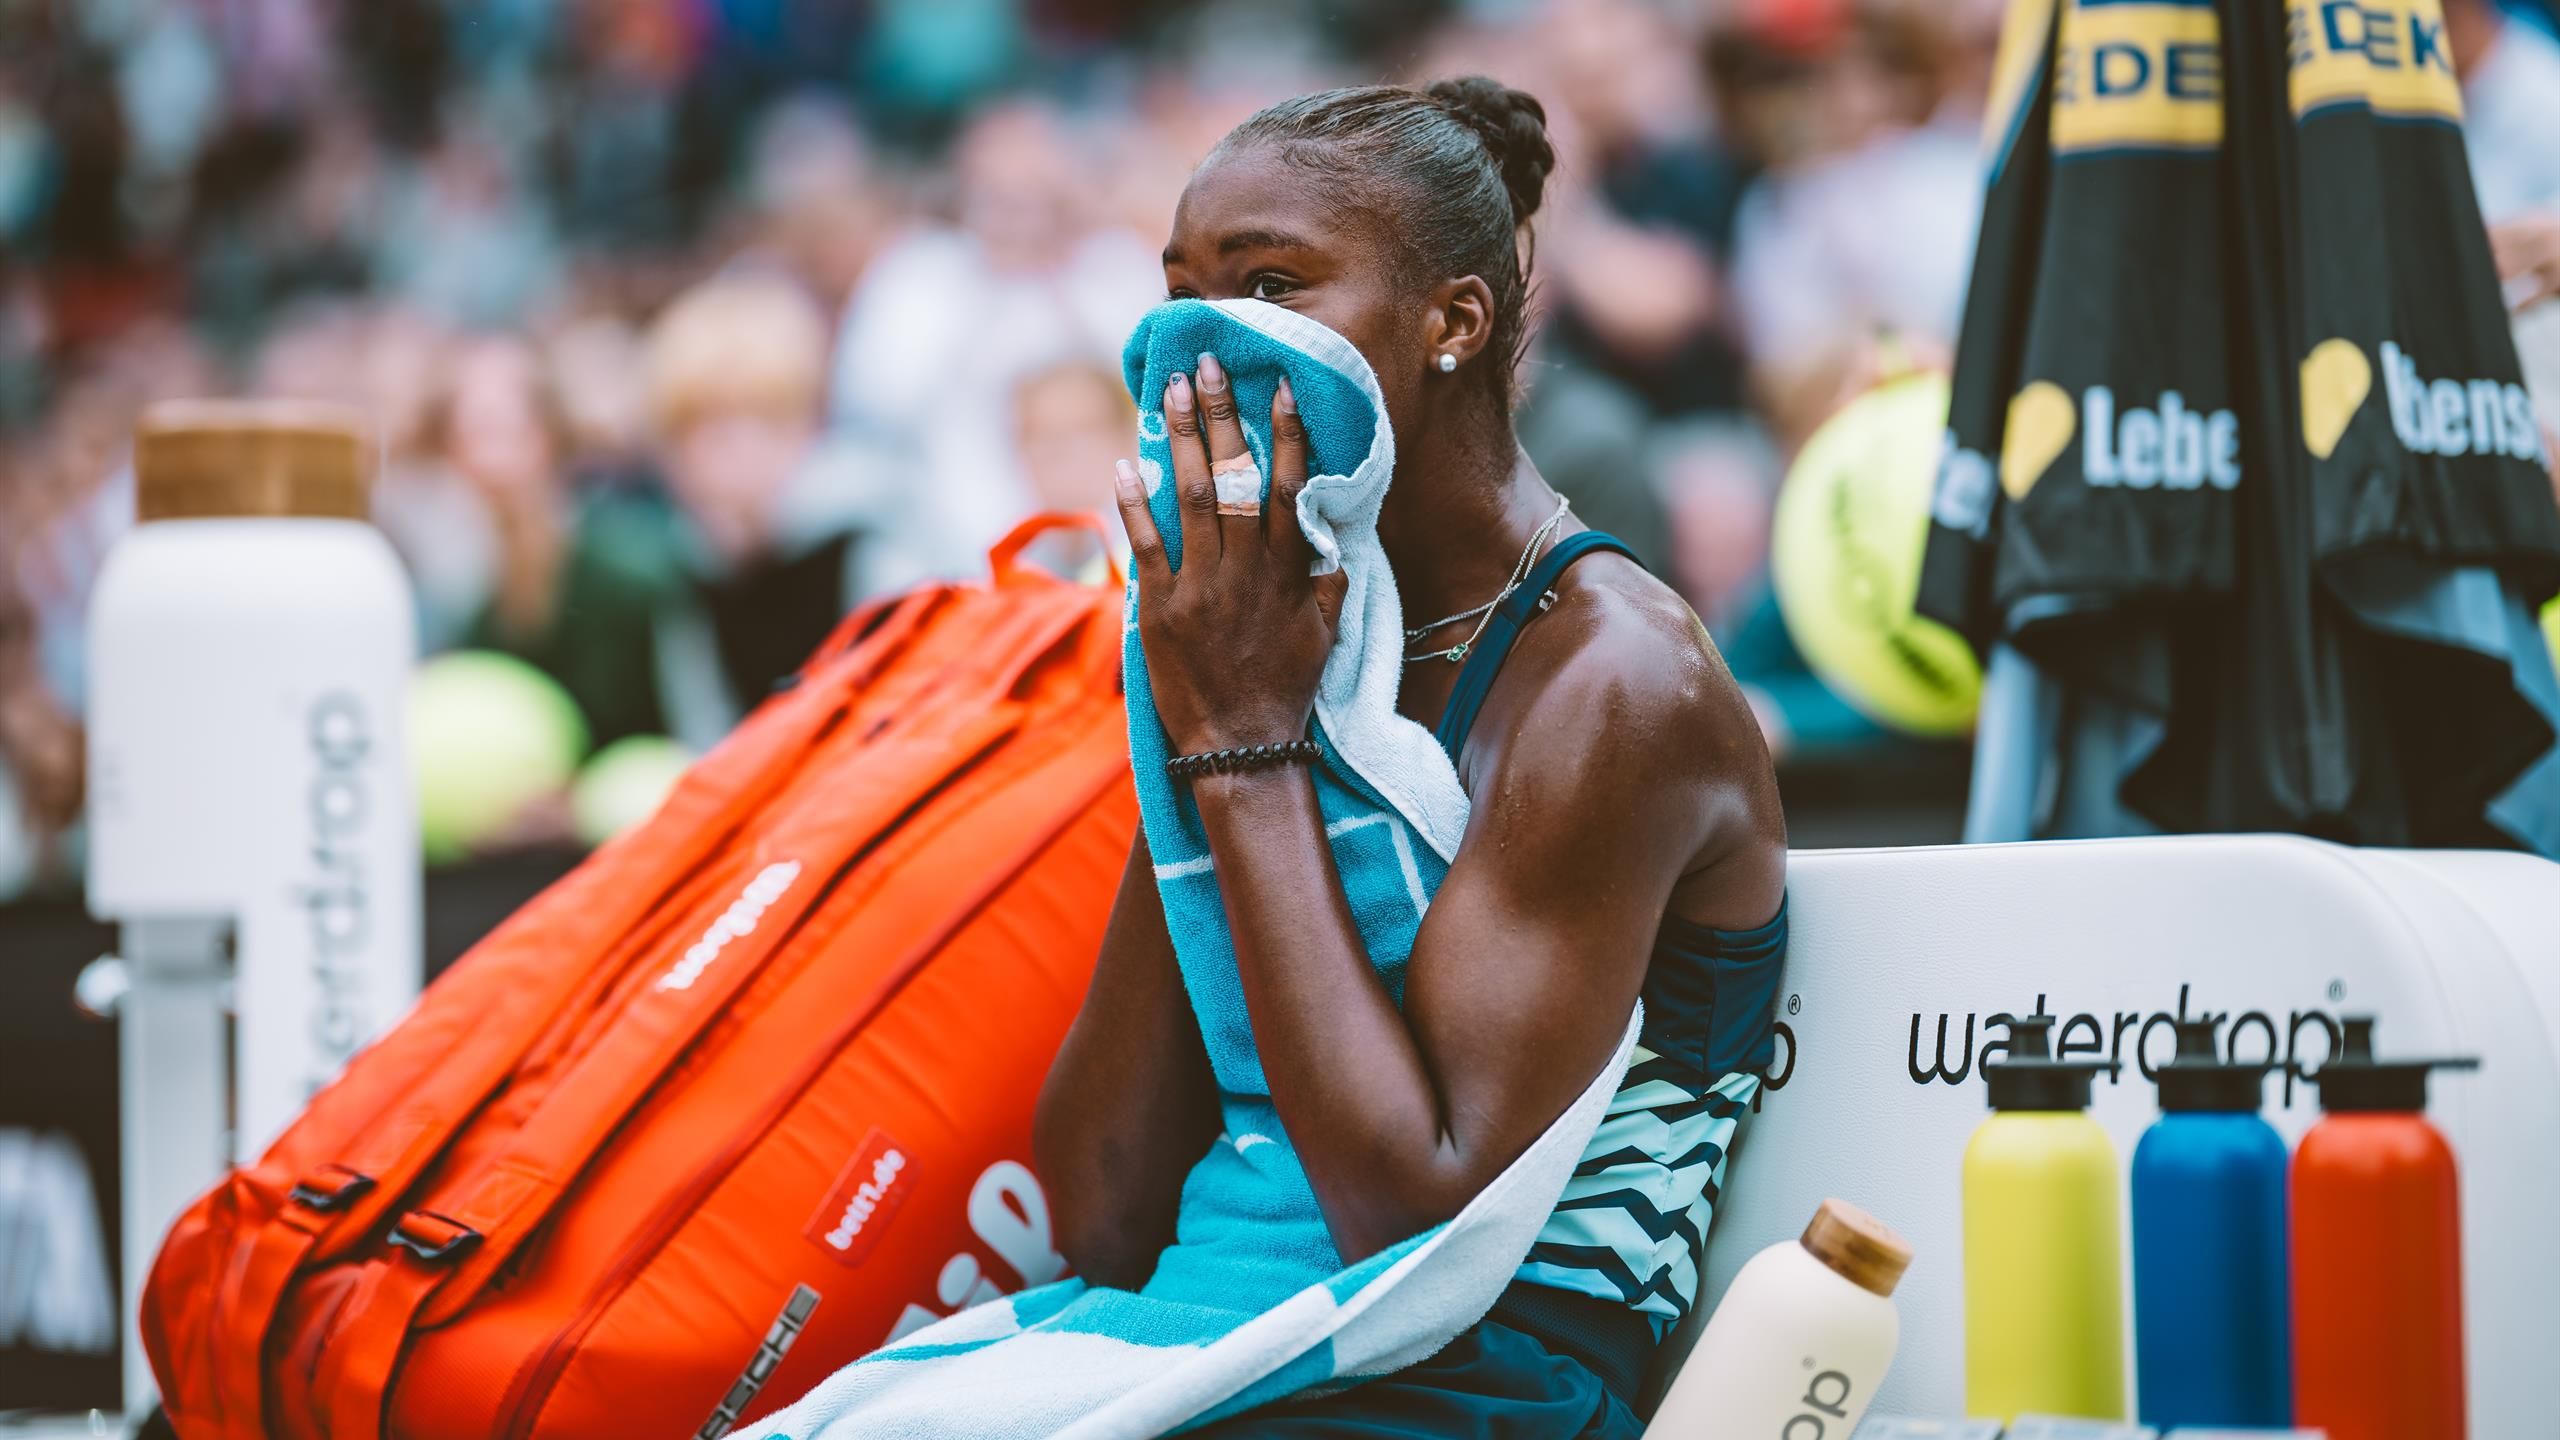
{"x":2387,"y":55}
{"x":2132,"y":76}
{"x":2335,"y":380}
{"x":2038,"y":430}
{"x":2015,"y":68}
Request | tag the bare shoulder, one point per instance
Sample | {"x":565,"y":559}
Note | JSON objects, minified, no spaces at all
{"x":1620,"y":665}
{"x":1618,"y":690}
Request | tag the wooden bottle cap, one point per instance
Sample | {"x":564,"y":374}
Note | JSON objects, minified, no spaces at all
{"x":210,"y":459}
{"x":1858,"y":1246}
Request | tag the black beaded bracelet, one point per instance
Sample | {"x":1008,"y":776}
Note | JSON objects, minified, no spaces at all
{"x":1242,"y":758}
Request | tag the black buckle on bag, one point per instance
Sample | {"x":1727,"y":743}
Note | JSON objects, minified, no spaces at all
{"x":433,"y":1238}
{"x":330,"y":1194}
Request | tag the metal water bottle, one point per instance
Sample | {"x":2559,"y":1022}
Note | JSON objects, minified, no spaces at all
{"x":2043,"y":1261}
{"x":2377,"y":1254}
{"x":2211,"y":1328}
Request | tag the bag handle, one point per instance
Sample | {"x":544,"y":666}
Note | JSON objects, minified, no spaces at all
{"x":1004,"y":559}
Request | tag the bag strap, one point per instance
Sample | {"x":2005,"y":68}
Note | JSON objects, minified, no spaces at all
{"x":855,"y":627}
{"x":1004,"y":560}
{"x":1484,"y":659}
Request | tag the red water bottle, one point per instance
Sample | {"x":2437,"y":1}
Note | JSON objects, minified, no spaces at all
{"x":2377,"y":1254}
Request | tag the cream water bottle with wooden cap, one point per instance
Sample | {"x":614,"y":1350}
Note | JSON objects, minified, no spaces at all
{"x":2043,"y":1246}
{"x":1800,"y":1341}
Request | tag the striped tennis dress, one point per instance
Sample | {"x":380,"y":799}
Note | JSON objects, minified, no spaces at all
{"x":1632,"y":1224}
{"x":1564,"y":1351}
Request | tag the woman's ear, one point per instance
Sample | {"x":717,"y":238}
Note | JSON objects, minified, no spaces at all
{"x":1459,"y":324}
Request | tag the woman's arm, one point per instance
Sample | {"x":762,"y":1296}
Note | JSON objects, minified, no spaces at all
{"x":1634,"y":767}
{"x":1521,"y":978}
{"x":1130,"y":1105}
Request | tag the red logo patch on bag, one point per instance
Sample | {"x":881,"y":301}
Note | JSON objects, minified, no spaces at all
{"x":867,"y":1193}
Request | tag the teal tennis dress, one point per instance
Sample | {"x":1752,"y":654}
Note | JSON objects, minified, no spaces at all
{"x":1562,"y":1356}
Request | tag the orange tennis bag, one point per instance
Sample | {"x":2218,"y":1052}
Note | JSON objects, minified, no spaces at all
{"x":743,"y":1095}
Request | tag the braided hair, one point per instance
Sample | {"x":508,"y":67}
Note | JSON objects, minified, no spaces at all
{"x":1465,"y":163}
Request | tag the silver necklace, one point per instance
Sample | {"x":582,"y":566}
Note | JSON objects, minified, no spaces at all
{"x":1519,"y":573}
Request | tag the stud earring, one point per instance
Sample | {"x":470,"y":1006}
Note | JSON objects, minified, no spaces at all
{"x":1448,"y":362}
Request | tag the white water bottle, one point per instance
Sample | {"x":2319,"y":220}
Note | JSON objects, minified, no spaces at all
{"x":1801,"y":1340}
{"x":251,"y":829}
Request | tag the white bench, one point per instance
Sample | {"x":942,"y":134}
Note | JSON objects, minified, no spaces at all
{"x":2456,"y":952}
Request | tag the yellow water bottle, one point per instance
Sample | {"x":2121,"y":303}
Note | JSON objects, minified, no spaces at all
{"x":2043,"y":1268}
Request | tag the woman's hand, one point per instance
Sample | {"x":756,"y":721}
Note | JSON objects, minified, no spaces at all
{"x":1235,"y":643}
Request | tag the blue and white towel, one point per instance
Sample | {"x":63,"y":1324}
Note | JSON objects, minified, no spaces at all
{"x":1251,"y":1303}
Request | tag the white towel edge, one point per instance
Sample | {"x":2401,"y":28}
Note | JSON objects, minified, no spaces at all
{"x":1398,"y":758}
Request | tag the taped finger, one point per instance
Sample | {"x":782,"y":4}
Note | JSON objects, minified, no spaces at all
{"x":1239,"y":482}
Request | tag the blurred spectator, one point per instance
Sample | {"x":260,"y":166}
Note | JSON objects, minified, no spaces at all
{"x":1864,"y":215}
{"x":503,"y":436}
{"x":2510,"y":74}
{"x":1070,"y":421}
{"x":73,"y":490}
{"x":617,"y":118}
{"x":953,"y":316}
{"x":65,"y":497}
{"x":820,"y":206}
{"x":601,"y":378}
{"x":930,"y":58}
{"x":40,"y":743}
{"x":1723,"y":478}
{"x":1588,"y":437}
{"x":736,"y":373}
{"x":285,"y":216}
{"x":1640,"y":224}
{"x":465,"y":238}
{"x":686,"y":325}
{"x":571,"y":584}
{"x":786,"y":524}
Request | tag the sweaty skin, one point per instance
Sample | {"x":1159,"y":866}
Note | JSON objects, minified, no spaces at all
{"x":1615,"y":774}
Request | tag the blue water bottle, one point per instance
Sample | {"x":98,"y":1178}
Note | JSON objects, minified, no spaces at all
{"x":2212,"y":1334}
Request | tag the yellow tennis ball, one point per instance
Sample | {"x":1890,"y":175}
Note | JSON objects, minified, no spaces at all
{"x":1851,"y":524}
{"x":488,"y":735}
{"x":2551,"y":627}
{"x":624,"y":784}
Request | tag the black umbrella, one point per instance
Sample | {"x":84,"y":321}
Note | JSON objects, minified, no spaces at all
{"x":2243,"y":499}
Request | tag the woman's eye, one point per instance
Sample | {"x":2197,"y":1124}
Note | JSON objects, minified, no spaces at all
{"x":1267,"y":286}
{"x":1179,"y":293}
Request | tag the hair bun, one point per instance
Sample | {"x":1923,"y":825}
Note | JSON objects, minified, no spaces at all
{"x":1513,"y":126}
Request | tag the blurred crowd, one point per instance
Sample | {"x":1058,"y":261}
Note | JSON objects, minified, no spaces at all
{"x":686,"y":323}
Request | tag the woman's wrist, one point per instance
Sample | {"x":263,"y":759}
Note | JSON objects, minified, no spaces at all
{"x":1241,"y":733}
{"x":1242,"y":758}
{"x":1244,"y":790}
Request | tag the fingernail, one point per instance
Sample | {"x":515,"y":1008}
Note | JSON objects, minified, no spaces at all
{"x":1283,"y":399}
{"x":1212,"y":379}
{"x":1178,"y":394}
{"x":1128,"y":475}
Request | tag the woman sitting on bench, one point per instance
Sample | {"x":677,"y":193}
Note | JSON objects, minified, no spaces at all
{"x":1623,"y":838}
